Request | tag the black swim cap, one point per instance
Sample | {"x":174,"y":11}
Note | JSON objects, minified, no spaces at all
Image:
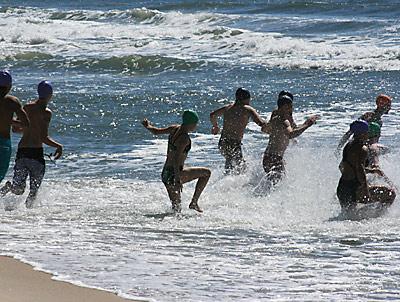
{"x":287,"y":93}
{"x":242,"y":94}
{"x":284,"y":100}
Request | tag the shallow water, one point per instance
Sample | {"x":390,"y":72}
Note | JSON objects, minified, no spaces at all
{"x":102,"y":216}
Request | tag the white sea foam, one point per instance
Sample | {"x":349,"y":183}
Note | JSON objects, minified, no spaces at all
{"x":189,"y":36}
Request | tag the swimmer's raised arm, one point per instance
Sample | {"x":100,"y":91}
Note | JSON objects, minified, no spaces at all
{"x":214,"y":118}
{"x":157,"y":131}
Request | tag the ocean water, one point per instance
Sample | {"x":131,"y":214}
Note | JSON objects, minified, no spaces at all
{"x":100,"y":218}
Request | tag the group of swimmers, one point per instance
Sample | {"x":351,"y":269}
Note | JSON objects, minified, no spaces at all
{"x":33,"y":122}
{"x":360,"y":155}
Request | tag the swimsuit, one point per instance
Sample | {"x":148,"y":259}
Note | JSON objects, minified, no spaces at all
{"x":29,"y":162}
{"x":274,"y":166}
{"x":231,"y":149}
{"x":5,"y":156}
{"x":347,"y":189}
{"x":168,"y":172}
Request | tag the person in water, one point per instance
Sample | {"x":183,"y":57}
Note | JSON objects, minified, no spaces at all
{"x":30,"y":156}
{"x":9,"y":105}
{"x":353,"y":187}
{"x":174,"y":173}
{"x":236,"y":117}
{"x":383,"y":106}
{"x":281,"y":129}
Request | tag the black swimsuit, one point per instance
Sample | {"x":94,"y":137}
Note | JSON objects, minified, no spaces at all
{"x":168,"y":172}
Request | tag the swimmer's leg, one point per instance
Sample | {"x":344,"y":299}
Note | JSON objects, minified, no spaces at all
{"x":21,"y":173}
{"x":203,"y":175}
{"x":36,"y":175}
{"x":174,"y":194}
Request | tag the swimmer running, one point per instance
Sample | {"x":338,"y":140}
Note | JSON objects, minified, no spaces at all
{"x":236,"y":117}
{"x":174,"y":173}
{"x":30,"y":156}
{"x":9,"y":105}
{"x":281,"y":129}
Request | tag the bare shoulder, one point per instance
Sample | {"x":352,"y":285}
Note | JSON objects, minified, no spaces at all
{"x":47,"y":114}
{"x":13,"y":101}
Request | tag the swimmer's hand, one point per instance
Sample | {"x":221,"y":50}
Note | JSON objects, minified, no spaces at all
{"x":146,"y":123}
{"x":312,"y":120}
{"x":215,"y":130}
{"x":58,"y":153}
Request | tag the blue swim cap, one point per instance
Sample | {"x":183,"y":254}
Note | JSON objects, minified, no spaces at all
{"x":45,"y":89}
{"x":5,"y":78}
{"x":359,"y":127}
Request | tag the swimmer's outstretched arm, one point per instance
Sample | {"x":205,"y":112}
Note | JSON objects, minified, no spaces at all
{"x":293,"y":133}
{"x":157,"y":131}
{"x":214,"y":118}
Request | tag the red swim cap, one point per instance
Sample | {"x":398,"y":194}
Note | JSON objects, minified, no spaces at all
{"x":383,"y":100}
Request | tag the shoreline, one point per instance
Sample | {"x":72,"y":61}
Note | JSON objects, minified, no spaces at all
{"x":20,"y":282}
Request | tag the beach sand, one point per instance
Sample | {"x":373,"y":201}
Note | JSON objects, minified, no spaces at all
{"x":19,"y":282}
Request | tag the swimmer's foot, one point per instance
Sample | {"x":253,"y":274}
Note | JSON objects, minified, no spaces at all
{"x":176,"y":207}
{"x":194,"y":206}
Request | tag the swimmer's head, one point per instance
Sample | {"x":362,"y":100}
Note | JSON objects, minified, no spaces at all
{"x":45,"y":90}
{"x":286,"y":93}
{"x":360,"y":129}
{"x":374,"y":130}
{"x":384,"y":103}
{"x":5,"y":82}
{"x":243,"y":96}
{"x":190,"y":119}
{"x":285,"y":104}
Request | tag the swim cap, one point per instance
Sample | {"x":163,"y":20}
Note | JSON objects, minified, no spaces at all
{"x":359,"y":127}
{"x":284,"y":100}
{"x":287,"y":93}
{"x":5,"y":78}
{"x":242,"y":94}
{"x":374,"y":130}
{"x":45,"y":89}
{"x":383,"y":100}
{"x":190,"y":117}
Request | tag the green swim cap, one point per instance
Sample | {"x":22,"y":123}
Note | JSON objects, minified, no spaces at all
{"x":190,"y":117}
{"x":374,"y":129}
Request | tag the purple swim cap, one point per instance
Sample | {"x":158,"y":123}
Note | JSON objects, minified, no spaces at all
{"x":5,"y":78}
{"x":45,"y":89}
{"x":359,"y":127}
